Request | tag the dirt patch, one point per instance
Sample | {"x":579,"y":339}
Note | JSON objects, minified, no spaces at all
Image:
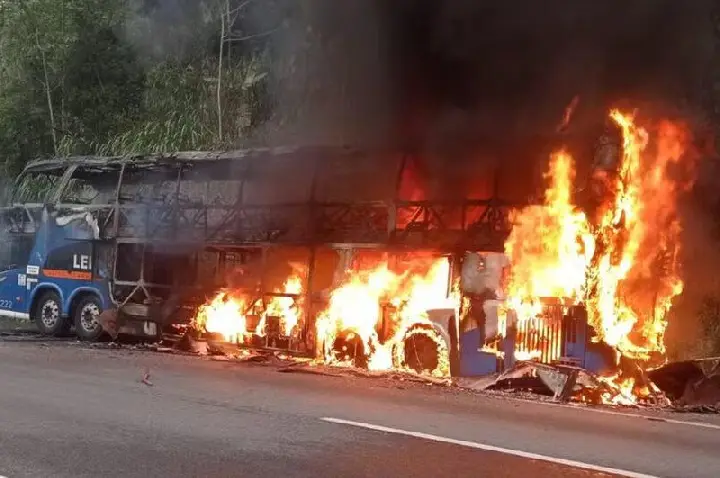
{"x":9,"y":325}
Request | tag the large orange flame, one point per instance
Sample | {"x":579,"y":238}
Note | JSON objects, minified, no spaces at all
{"x":551,"y":245}
{"x":623,"y":265}
{"x":636,"y":272}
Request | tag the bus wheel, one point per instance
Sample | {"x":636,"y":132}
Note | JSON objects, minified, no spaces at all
{"x":47,"y":314}
{"x":85,"y":316}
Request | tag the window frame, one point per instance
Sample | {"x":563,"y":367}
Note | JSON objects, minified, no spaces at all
{"x":59,"y":199}
{"x":11,"y":243}
{"x":50,"y":197}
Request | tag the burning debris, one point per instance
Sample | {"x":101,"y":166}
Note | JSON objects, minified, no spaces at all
{"x":564,"y":383}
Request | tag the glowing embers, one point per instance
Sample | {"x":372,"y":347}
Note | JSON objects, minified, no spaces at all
{"x":423,"y":349}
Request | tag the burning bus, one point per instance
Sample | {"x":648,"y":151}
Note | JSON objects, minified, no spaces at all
{"x":259,"y":247}
{"x":355,"y":257}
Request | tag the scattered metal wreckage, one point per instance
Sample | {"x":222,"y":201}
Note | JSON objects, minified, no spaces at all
{"x":682,"y":386}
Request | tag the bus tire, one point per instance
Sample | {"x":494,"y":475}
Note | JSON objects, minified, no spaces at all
{"x":85,"y":314}
{"x":47,"y":314}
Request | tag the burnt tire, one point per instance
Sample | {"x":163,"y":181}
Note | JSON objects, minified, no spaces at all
{"x":85,"y":319}
{"x":47,"y":314}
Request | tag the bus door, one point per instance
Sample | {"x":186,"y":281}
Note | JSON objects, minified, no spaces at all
{"x":15,"y":251}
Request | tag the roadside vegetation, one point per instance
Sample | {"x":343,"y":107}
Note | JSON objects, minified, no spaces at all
{"x":129,"y":76}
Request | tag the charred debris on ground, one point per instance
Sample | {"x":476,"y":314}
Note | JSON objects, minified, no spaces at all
{"x":689,"y":386}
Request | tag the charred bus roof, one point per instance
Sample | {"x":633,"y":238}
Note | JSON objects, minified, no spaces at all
{"x":140,"y":160}
{"x":308,"y":195}
{"x":339,"y":172}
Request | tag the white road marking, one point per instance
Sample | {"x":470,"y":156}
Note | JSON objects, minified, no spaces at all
{"x":484,"y":447}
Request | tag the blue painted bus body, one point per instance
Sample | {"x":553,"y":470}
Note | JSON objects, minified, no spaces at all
{"x":61,"y":258}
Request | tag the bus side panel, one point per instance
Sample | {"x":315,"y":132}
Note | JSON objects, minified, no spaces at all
{"x":62,"y":260}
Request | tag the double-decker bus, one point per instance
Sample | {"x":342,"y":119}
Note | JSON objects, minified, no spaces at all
{"x":147,"y":235}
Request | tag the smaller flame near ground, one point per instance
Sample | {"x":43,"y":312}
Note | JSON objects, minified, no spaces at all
{"x":354,"y":310}
{"x":623,"y":264}
{"x":226,"y":313}
{"x":287,"y":308}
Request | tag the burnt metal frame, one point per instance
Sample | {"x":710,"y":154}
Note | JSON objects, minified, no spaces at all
{"x":360,"y":223}
{"x":429,"y":224}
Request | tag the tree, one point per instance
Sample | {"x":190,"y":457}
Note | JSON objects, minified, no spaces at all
{"x":65,"y":76}
{"x":114,"y":77}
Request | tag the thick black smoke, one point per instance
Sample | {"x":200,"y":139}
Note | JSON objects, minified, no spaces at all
{"x":425,"y":71}
{"x":431,"y":73}
{"x":482,"y":81}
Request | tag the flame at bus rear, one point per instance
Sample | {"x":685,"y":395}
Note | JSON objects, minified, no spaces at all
{"x":636,"y":273}
{"x":550,"y":246}
{"x":623,"y":263}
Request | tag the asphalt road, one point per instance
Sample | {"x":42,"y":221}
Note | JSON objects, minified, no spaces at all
{"x":68,"y":411}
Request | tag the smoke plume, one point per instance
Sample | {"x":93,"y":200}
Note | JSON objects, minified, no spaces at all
{"x":436,"y":74}
{"x":429,"y":72}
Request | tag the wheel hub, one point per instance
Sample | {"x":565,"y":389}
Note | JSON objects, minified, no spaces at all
{"x":50,"y":313}
{"x":88,"y":317}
